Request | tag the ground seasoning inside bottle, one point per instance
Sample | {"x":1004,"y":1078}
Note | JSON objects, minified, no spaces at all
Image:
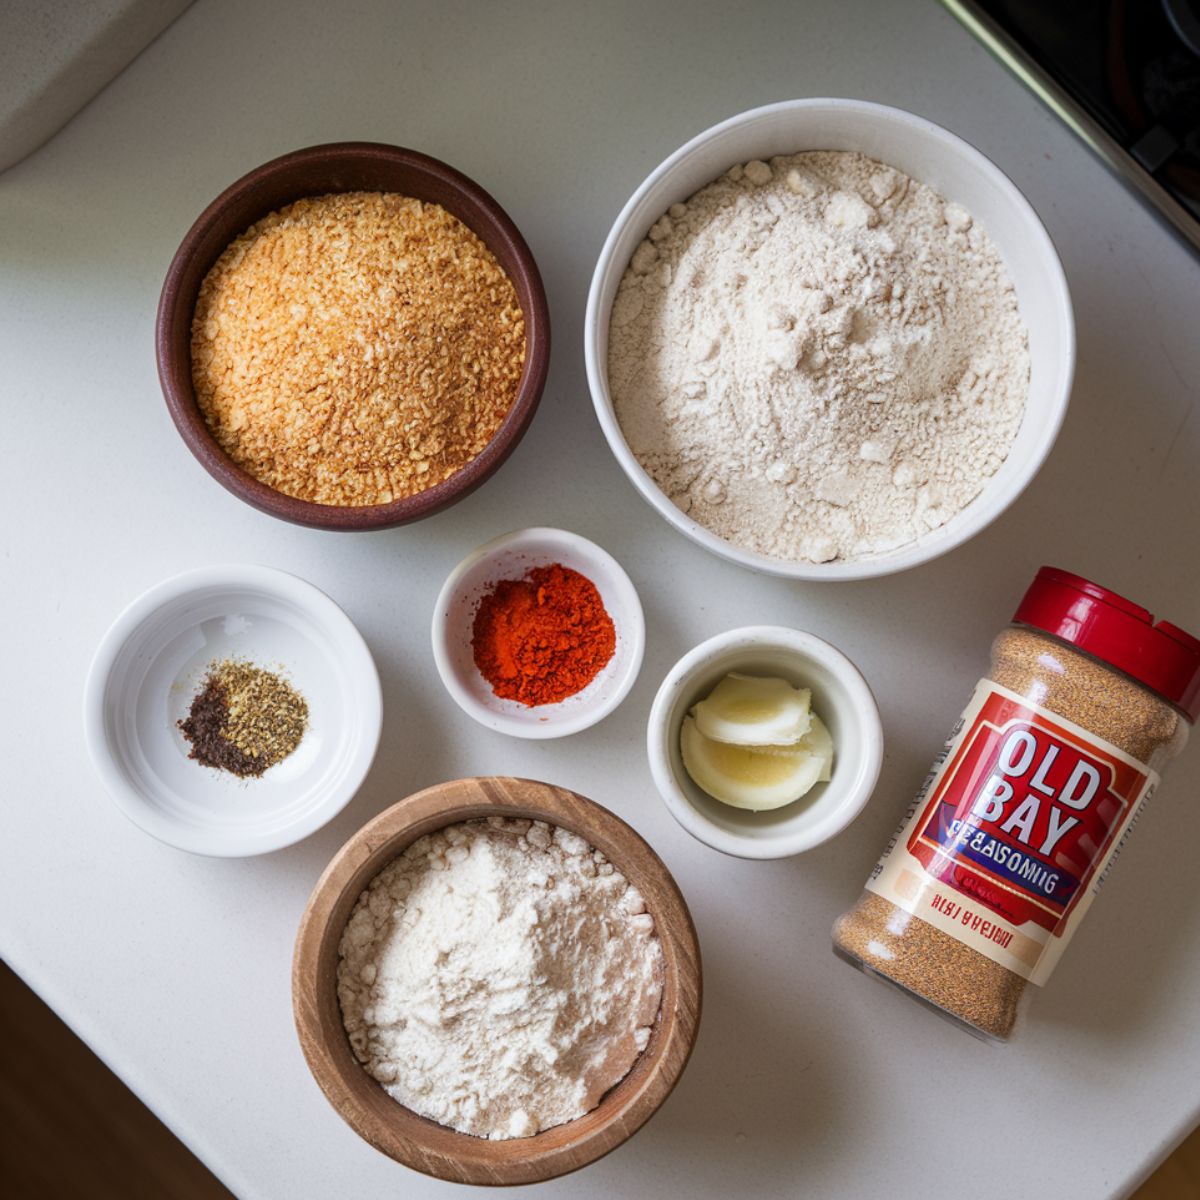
{"x":1012,"y":835}
{"x":244,"y":719}
{"x":542,"y":638}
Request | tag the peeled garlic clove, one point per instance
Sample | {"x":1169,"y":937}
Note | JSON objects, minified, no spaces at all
{"x":819,"y":744}
{"x":751,"y":710}
{"x":749,"y":777}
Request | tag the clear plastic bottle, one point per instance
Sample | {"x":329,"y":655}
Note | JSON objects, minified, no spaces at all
{"x":1027,"y":807}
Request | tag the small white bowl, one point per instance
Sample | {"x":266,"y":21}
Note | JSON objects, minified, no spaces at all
{"x":148,"y":668}
{"x":840,"y":697}
{"x":510,"y":557}
{"x":929,"y":154}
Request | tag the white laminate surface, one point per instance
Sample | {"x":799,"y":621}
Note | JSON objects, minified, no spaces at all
{"x":808,"y":1078}
{"x":55,"y":55}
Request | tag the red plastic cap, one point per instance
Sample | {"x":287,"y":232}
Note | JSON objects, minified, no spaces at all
{"x":1118,"y":632}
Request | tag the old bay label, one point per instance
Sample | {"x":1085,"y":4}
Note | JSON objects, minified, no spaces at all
{"x":1013,"y":831}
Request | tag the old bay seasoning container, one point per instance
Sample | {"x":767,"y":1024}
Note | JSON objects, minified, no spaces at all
{"x":1029,"y":804}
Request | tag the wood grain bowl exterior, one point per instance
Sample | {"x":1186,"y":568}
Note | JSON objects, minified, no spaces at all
{"x":315,"y":171}
{"x":420,"y":1143}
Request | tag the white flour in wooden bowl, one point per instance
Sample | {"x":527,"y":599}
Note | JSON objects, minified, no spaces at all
{"x":499,"y":977}
{"x":818,"y":358}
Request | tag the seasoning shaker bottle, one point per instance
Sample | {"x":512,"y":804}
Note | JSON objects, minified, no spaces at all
{"x":1028,"y":805}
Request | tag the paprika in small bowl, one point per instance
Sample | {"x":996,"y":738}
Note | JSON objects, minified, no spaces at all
{"x":538,"y":634}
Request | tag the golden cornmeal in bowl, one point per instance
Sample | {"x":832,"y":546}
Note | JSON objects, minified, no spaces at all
{"x":356,"y":348}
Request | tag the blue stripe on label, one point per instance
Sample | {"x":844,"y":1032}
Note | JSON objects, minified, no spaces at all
{"x":1023,"y":870}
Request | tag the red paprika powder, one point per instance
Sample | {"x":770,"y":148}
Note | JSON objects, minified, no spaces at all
{"x":540,"y":639}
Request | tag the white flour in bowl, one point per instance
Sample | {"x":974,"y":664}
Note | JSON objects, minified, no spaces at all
{"x":818,"y":358}
{"x":499,"y":977}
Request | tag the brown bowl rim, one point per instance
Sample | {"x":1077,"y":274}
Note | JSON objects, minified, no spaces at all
{"x":175,"y":377}
{"x":423,"y":1144}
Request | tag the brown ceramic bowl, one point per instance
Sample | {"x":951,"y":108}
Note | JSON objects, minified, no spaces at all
{"x":317,"y":171}
{"x":423,"y":1144}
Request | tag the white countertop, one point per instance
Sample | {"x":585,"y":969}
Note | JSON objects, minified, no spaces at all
{"x":808,"y":1078}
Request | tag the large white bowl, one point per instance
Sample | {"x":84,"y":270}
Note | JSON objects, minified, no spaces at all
{"x":148,"y":668}
{"x":929,"y":154}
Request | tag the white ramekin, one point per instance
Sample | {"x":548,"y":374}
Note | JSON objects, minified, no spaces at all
{"x":929,"y":154}
{"x":510,"y":557}
{"x":840,"y":697}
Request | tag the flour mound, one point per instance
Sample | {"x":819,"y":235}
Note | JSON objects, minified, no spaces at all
{"x":818,"y":358}
{"x":499,"y":977}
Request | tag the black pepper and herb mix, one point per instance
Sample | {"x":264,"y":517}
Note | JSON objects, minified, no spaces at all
{"x":1027,"y":808}
{"x":244,"y":719}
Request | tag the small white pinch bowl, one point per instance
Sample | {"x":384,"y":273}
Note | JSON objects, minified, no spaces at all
{"x":150,"y":665}
{"x":840,"y":697}
{"x":510,"y":557}
{"x":929,"y":154}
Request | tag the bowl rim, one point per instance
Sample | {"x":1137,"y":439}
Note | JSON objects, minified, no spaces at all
{"x":324,"y":611}
{"x":423,"y":1144}
{"x":806,"y":646}
{"x":906,"y":557}
{"x":175,"y":378}
{"x":633,"y":630}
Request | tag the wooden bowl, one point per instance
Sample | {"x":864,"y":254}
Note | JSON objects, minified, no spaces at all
{"x":423,"y":1144}
{"x":317,"y":171}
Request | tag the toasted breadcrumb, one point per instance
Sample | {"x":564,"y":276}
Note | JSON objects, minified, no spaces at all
{"x":356,"y":348}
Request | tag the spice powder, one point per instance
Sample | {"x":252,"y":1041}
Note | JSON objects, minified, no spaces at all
{"x":540,"y":639}
{"x":356,"y":348}
{"x":244,"y":719}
